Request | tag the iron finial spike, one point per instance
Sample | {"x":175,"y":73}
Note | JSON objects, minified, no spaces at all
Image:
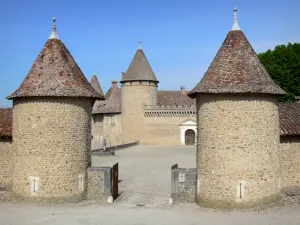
{"x":235,"y":20}
{"x":54,"y":34}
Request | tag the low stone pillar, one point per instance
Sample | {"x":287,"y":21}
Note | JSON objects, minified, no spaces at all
{"x":99,"y":184}
{"x":183,"y":184}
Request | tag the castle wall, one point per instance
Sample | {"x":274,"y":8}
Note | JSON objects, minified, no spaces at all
{"x":135,"y":95}
{"x":163,"y":130}
{"x":6,"y":164}
{"x":109,"y":129}
{"x":97,"y":131}
{"x":290,"y":164}
{"x":52,"y":139}
{"x":237,"y":152}
{"x":112,"y":129}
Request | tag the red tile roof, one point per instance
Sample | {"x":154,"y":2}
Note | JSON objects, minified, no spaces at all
{"x":289,"y":114}
{"x":55,"y":73}
{"x":5,"y":123}
{"x":96,"y":85}
{"x":139,"y":69}
{"x":173,"y":98}
{"x":112,"y":104}
{"x":236,"y":69}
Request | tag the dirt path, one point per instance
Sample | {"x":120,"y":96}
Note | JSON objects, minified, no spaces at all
{"x":116,"y":214}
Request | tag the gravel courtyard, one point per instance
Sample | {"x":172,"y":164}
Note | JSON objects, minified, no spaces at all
{"x":145,"y":180}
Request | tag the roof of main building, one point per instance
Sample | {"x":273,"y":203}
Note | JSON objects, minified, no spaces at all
{"x":5,"y":122}
{"x":96,"y":85}
{"x":55,"y":73}
{"x":236,"y":69}
{"x":289,"y":114}
{"x":173,"y":98}
{"x":112,"y":104}
{"x":139,"y":69}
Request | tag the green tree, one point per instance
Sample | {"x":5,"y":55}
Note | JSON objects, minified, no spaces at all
{"x":283,"y":65}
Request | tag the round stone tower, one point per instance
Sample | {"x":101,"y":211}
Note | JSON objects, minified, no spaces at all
{"x":238,"y":128}
{"x":52,"y":128}
{"x":139,"y":88}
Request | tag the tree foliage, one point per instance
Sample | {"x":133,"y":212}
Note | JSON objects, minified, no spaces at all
{"x":283,"y":65}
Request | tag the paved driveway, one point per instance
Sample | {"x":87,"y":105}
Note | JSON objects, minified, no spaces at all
{"x":145,"y":171}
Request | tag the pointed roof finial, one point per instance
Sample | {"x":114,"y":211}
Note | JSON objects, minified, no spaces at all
{"x":54,"y":34}
{"x":139,"y":44}
{"x":235,"y":21}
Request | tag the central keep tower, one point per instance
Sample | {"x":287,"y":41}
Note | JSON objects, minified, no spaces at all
{"x":139,"y":88}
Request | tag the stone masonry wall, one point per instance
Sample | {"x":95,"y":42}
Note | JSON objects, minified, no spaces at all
{"x":134,"y":96}
{"x":290,"y":164}
{"x":183,"y":184}
{"x":162,"y":130}
{"x":106,"y":130}
{"x":52,"y":139}
{"x":6,"y":164}
{"x":99,"y":183}
{"x":112,"y":131}
{"x":237,"y":150}
{"x":97,"y":131}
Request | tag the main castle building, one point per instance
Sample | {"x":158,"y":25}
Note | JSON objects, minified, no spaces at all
{"x":138,"y":111}
{"x":248,"y":144}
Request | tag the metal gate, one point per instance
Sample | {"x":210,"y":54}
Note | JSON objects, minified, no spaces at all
{"x":115,"y":180}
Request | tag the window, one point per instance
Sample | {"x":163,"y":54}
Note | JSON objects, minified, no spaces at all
{"x":34,"y":181}
{"x":81,"y":183}
{"x":113,"y":120}
{"x":98,"y":138}
{"x":98,"y":119}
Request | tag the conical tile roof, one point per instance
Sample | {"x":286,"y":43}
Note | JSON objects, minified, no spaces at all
{"x":139,"y":69}
{"x":112,"y":103}
{"x":236,"y":69}
{"x":56,"y":74}
{"x":96,"y":85}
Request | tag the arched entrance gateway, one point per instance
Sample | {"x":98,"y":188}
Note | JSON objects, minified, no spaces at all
{"x":188,"y":132}
{"x":190,"y":137}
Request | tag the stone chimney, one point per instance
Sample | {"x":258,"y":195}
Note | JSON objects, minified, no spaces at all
{"x":123,"y":74}
{"x":114,"y":83}
{"x":182,"y":88}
